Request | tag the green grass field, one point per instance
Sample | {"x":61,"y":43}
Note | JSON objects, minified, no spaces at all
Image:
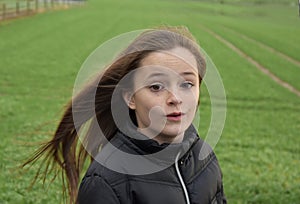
{"x":259,"y":150}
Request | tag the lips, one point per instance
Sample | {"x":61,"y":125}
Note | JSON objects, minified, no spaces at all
{"x":175,"y":116}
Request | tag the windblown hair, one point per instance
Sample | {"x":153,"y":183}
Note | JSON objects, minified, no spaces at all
{"x":66,"y":153}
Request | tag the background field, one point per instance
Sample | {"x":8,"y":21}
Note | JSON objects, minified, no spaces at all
{"x":259,"y":150}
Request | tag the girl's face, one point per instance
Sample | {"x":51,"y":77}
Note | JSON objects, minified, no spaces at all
{"x":166,"y":93}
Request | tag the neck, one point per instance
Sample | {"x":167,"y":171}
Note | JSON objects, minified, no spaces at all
{"x":160,"y":137}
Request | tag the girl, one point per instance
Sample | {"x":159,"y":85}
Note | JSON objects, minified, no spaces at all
{"x":135,"y":121}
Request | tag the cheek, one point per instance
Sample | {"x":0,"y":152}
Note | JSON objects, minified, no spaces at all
{"x":148,"y":100}
{"x":144,"y":103}
{"x":150,"y":109}
{"x":191,"y":97}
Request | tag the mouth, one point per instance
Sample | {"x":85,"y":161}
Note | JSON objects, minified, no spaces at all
{"x":175,"y":116}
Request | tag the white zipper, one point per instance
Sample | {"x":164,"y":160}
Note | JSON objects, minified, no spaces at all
{"x":181,"y":180}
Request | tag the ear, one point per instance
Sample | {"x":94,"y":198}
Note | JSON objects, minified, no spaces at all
{"x":129,"y":99}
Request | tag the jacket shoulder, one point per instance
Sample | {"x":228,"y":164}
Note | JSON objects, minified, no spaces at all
{"x":94,"y":189}
{"x":111,"y":177}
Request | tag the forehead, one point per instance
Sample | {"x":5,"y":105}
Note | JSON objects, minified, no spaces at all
{"x":178,"y":59}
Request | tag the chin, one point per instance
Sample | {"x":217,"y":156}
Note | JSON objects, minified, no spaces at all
{"x":172,"y":132}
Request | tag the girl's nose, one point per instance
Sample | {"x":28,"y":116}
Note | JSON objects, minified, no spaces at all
{"x":173,"y":98}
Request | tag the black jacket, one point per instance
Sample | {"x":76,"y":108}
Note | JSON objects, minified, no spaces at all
{"x":185,"y":171}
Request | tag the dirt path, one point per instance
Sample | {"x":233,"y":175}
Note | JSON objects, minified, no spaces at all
{"x":252,"y":61}
{"x":262,"y":45}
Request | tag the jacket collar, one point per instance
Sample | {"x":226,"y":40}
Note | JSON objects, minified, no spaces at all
{"x":142,"y":145}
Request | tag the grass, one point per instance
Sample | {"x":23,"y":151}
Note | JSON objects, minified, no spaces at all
{"x":248,"y":2}
{"x":259,"y":148}
{"x":286,"y":70}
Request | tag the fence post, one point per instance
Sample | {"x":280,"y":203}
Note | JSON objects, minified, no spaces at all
{"x":45,"y":4}
{"x":36,"y":5}
{"x":17,"y":7}
{"x":27,"y":6}
{"x":3,"y":10}
{"x":299,"y":7}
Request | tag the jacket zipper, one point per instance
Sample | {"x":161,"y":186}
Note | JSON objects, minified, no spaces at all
{"x":186,"y":195}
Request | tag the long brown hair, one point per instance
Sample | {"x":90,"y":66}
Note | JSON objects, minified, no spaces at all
{"x":66,"y":152}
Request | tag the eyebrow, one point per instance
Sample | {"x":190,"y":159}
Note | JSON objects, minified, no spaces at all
{"x":157,"y":74}
{"x":164,"y":74}
{"x":188,"y":73}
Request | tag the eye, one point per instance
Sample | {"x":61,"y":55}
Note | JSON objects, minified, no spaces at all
{"x":156,"y":87}
{"x":187,"y":85}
